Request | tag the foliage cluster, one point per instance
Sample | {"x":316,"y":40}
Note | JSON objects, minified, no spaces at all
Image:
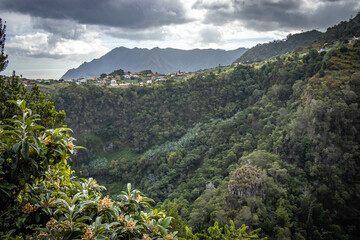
{"x":12,"y":90}
{"x":146,"y":116}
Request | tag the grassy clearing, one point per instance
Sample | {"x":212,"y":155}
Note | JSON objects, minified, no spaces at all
{"x":125,"y":153}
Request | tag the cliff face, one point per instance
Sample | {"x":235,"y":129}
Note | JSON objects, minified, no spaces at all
{"x":156,"y":59}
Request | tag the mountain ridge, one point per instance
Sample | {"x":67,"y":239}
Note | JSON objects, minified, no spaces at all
{"x":156,"y":59}
{"x":267,"y":50}
{"x":296,"y":42}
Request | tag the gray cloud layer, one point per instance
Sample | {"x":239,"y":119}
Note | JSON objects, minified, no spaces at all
{"x":142,"y":19}
{"x":267,"y":15}
{"x":60,"y":28}
{"x":115,"y":13}
{"x":89,"y":20}
{"x":136,"y":35}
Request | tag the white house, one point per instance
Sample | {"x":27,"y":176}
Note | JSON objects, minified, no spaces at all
{"x":113,"y":83}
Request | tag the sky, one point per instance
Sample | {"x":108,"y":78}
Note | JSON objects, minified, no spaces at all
{"x":45,"y":38}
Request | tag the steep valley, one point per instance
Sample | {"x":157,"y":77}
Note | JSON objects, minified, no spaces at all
{"x":274,"y":147}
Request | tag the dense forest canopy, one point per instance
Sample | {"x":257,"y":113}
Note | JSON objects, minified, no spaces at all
{"x":272,"y":146}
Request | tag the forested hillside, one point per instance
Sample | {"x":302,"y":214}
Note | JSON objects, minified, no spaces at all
{"x":342,"y":31}
{"x":300,"y":41}
{"x":274,"y":147}
{"x":277,"y":47}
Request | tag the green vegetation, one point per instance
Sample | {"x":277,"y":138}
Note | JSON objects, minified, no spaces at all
{"x":119,"y":72}
{"x":273,"y":147}
{"x":40,"y":198}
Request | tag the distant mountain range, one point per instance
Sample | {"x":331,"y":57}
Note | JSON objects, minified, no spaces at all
{"x":156,"y":59}
{"x":171,"y":60}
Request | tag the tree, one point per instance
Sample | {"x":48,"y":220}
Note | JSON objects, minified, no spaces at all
{"x":145,"y":72}
{"x":3,"y":57}
{"x":11,"y":89}
{"x":117,"y":72}
{"x":226,"y":233}
{"x":27,"y":152}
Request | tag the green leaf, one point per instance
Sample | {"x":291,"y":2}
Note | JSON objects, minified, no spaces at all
{"x":166,"y":222}
{"x":16,"y":146}
{"x":34,"y":163}
{"x":14,"y":163}
{"x":56,"y":132}
{"x":83,"y":219}
{"x":7,"y":186}
{"x":77,"y":197}
{"x":12,"y":101}
{"x":98,"y":221}
{"x":21,"y":104}
{"x":8,"y":131}
{"x":80,"y":147}
{"x":25,"y":150}
{"x":37,"y":127}
{"x":37,"y":218}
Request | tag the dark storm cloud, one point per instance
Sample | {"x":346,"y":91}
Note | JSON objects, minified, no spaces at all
{"x":267,"y":15}
{"x":116,"y":13}
{"x":60,"y":28}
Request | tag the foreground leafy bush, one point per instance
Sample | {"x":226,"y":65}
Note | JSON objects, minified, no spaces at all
{"x":42,"y":199}
{"x":26,"y":153}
